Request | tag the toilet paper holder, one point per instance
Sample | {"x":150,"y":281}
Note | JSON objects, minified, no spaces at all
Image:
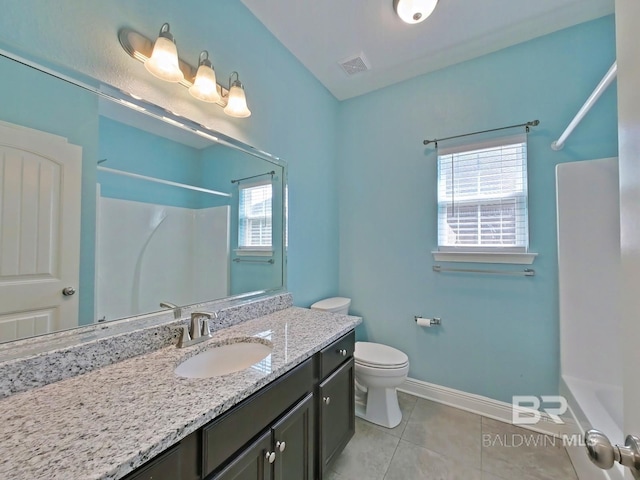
{"x":422,"y":320}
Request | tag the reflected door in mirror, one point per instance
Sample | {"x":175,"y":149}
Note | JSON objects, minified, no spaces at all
{"x":40,"y":178}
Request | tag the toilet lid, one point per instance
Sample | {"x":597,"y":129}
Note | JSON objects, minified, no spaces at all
{"x":331,"y":304}
{"x":376,"y":354}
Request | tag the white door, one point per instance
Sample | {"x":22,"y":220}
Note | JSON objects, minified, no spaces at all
{"x":40,"y":182}
{"x":627,"y":41}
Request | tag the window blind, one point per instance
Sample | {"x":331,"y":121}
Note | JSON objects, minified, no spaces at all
{"x":254,"y":215}
{"x":482,"y":196}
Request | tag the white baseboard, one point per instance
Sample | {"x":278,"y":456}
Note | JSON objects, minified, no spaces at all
{"x":487,"y":407}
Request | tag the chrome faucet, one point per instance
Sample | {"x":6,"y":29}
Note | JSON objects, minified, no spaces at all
{"x":198,"y":331}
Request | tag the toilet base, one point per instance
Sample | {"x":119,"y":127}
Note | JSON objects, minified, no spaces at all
{"x":379,"y":405}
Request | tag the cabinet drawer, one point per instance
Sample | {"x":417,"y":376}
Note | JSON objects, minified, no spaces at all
{"x":335,"y":354}
{"x":224,"y":437}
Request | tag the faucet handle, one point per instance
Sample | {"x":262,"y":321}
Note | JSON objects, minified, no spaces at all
{"x":184,"y":336}
{"x":206,"y":331}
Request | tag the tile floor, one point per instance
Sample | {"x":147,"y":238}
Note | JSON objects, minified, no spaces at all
{"x":437,"y":442}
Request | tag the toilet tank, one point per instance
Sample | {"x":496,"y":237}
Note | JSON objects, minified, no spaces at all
{"x":334,"y":305}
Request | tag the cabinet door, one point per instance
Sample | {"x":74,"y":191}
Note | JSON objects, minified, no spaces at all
{"x":293,"y":442}
{"x":251,"y":463}
{"x":337,"y":413}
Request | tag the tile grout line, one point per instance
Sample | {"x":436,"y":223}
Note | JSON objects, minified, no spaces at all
{"x":390,"y":461}
{"x":400,"y":439}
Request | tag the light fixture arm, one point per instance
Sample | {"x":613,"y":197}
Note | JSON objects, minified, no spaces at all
{"x":236,"y":82}
{"x":164,"y":32}
{"x":203,"y":59}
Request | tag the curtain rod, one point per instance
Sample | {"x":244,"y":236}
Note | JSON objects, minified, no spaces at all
{"x":533,"y":123}
{"x":161,"y":181}
{"x":272,"y":173}
{"x":593,"y":98}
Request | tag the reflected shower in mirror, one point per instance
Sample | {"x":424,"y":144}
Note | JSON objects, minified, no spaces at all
{"x":110,"y":210}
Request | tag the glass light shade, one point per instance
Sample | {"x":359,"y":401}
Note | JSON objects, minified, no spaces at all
{"x":163,"y":62}
{"x":414,"y":11}
{"x":204,"y":85}
{"x":237,"y":106}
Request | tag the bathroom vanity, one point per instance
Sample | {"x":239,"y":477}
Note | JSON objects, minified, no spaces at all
{"x":291,"y":429}
{"x":136,"y":419}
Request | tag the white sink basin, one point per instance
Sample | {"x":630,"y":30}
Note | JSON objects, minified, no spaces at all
{"x":225,"y":359}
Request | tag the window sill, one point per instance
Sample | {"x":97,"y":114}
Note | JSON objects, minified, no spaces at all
{"x":249,"y":252}
{"x":485,"y":257}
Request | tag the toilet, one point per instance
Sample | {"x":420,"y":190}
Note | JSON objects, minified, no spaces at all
{"x":379,"y":369}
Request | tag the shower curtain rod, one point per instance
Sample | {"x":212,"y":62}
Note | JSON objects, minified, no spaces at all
{"x":163,"y":182}
{"x":272,"y":173}
{"x":593,"y":98}
{"x":533,"y":123}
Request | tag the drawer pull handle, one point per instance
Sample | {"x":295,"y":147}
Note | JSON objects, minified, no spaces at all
{"x":342,"y":352}
{"x":326,"y":400}
{"x":271,"y":457}
{"x":281,"y":446}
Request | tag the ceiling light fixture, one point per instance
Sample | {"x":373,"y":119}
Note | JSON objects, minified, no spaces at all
{"x":161,"y":59}
{"x":204,"y":85}
{"x":237,"y":102}
{"x":163,"y":62}
{"x":414,"y":11}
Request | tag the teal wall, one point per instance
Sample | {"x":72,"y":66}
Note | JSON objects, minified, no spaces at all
{"x":48,"y":104}
{"x":499,"y":335}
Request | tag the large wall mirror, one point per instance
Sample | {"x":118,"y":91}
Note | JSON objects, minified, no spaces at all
{"x":111,"y":207}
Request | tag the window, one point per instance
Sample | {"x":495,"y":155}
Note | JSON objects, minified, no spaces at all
{"x":254,"y":216}
{"x":482,"y":197}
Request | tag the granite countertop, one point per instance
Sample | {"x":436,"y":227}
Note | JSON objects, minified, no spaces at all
{"x":106,"y":423}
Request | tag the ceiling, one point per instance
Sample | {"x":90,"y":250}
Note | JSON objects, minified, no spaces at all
{"x":324,"y":33}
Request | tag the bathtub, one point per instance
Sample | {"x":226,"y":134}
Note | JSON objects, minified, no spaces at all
{"x":588,"y":275}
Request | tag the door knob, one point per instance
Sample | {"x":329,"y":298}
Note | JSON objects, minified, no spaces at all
{"x":68,"y":291}
{"x":271,"y":456}
{"x":603,"y":454}
{"x":281,"y":446}
{"x":326,"y":400}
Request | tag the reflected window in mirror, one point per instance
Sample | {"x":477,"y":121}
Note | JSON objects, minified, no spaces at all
{"x":255,"y":217}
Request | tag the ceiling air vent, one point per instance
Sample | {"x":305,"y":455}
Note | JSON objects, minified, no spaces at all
{"x":354,"y":65}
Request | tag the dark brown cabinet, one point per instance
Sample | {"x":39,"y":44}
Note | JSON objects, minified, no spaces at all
{"x":284,"y":452}
{"x":336,"y":418}
{"x":250,"y":464}
{"x":292,"y":429}
{"x":294,"y":442}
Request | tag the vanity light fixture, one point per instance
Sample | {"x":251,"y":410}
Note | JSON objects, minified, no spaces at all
{"x":200,"y":81}
{"x":414,"y":11}
{"x":204,"y":85}
{"x":163,"y":62}
{"x":237,"y":101}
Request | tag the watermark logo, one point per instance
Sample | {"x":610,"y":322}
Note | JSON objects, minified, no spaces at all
{"x":531,"y":440}
{"x":530,"y":410}
{"x":527,"y":409}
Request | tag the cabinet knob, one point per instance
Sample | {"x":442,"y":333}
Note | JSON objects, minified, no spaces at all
{"x":326,"y":400}
{"x":342,"y":352}
{"x":281,"y":446}
{"x":271,"y":457}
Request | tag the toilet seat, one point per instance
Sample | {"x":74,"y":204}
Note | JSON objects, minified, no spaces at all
{"x":376,"y":355}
